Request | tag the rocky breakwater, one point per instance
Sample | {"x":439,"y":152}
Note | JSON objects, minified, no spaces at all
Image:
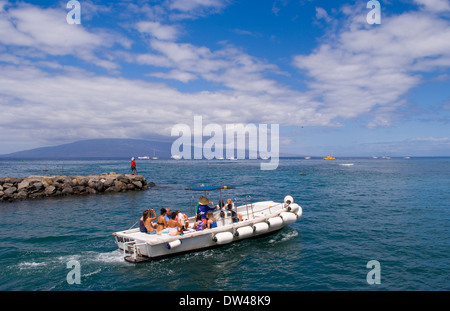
{"x":32,"y":187}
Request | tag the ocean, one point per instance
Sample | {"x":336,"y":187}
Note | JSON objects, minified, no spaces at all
{"x":355,"y":211}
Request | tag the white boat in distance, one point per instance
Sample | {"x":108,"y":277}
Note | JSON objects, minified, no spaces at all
{"x":259,"y":219}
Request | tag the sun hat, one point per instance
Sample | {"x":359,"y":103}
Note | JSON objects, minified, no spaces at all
{"x":203,"y":200}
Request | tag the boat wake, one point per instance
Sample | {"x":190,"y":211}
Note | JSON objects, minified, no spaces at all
{"x":115,"y":256}
{"x":85,"y":258}
{"x":284,"y":236}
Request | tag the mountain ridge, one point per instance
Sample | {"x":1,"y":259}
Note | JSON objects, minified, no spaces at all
{"x":97,"y":148}
{"x":104,"y":148}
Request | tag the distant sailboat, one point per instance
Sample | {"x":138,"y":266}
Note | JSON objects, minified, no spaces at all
{"x":154,"y":156}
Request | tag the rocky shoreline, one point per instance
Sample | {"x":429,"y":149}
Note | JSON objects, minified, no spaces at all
{"x":33,"y":187}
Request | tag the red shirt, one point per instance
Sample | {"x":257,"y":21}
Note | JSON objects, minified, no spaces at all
{"x":133,"y":163}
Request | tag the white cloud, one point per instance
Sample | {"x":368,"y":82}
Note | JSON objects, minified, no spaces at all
{"x":46,"y":31}
{"x":69,"y":106}
{"x":322,"y":14}
{"x":157,"y":30}
{"x":192,"y":5}
{"x":149,"y":59}
{"x":246,"y":33}
{"x":361,"y":69}
{"x":174,"y":75}
{"x":435,"y":5}
{"x":228,"y":66}
{"x":192,"y":9}
{"x":433,"y":139}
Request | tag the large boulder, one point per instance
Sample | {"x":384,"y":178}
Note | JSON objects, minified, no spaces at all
{"x":138,"y":184}
{"x":109,"y":181}
{"x":99,"y":186}
{"x":24,"y":184}
{"x":9,"y":191}
{"x":67,"y":190}
{"x":50,"y":190}
{"x":22,"y":194}
{"x":47,"y":181}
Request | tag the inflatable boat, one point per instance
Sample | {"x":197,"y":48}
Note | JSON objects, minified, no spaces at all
{"x":258,"y":219}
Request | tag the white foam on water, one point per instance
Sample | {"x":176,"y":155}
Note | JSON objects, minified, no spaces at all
{"x":110,"y":257}
{"x":30,"y":265}
{"x":91,"y":273}
{"x":285,"y":236}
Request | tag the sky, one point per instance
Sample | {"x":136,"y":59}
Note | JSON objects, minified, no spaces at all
{"x":334,"y":83}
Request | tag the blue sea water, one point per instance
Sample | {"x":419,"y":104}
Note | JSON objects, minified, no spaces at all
{"x":393,"y":211}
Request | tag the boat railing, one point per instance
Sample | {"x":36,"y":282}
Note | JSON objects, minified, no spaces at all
{"x":132,"y":247}
{"x":247,"y":201}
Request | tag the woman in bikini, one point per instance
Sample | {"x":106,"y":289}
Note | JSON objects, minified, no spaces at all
{"x":161,"y":222}
{"x":145,"y":223}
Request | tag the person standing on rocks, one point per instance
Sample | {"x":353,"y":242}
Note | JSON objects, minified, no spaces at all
{"x":133,"y":166}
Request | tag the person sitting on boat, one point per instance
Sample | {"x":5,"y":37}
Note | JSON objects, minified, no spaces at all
{"x":182,"y":219}
{"x":161,"y":222}
{"x":168,"y":213}
{"x":203,"y":207}
{"x":199,"y":225}
{"x":145,"y":223}
{"x":211,"y":223}
{"x":174,"y":227}
{"x":234,"y":214}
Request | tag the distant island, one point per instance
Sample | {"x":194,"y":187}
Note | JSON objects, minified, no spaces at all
{"x":104,"y":148}
{"x":97,"y":148}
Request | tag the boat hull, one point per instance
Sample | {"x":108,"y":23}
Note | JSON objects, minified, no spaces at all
{"x":137,"y":259}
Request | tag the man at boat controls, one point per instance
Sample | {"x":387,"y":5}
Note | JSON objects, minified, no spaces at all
{"x":203,"y":207}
